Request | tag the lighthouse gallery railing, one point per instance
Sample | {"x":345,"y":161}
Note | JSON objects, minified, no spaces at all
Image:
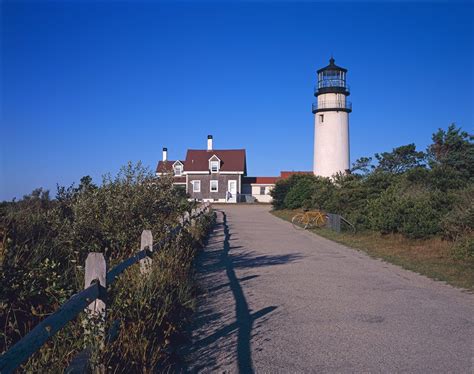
{"x":336,"y":104}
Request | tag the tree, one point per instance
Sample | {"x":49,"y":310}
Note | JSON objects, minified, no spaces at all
{"x":362,"y":165}
{"x":453,"y":149}
{"x":400,"y":159}
{"x":86,"y":185}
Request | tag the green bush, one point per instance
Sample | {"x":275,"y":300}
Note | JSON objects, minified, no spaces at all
{"x":281,"y":189}
{"x":459,"y":220}
{"x":413,"y":193}
{"x":279,"y":192}
{"x":301,"y":192}
{"x":323,"y":194}
{"x":421,"y":219}
{"x":463,"y":249}
{"x":46,"y":241}
{"x":153,"y":310}
{"x":349,"y":199}
{"x":413,"y":213}
{"x":384,"y":213}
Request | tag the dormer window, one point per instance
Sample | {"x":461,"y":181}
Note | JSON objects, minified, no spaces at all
{"x":178,"y":170}
{"x":214,"y":166}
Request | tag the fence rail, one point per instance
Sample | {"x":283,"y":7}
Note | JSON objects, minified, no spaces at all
{"x":92,"y":298}
{"x":334,"y":221}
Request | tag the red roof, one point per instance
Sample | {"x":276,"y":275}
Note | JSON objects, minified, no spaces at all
{"x":231,"y":160}
{"x":165,"y":166}
{"x":287,"y":174}
{"x":260,"y":180}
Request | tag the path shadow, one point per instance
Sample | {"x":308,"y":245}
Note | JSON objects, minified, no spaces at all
{"x":247,"y":259}
{"x":242,"y":312}
{"x":224,"y":285}
{"x":216,"y":261}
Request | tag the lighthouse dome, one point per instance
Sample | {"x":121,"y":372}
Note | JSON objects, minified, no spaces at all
{"x":331,"y":79}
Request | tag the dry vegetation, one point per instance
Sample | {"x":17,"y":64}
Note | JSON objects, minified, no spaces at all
{"x":45,"y":245}
{"x":432,"y":257}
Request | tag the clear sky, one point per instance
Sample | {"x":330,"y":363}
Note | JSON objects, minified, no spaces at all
{"x":87,"y":86}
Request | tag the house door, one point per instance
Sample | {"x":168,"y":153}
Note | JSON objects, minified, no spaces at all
{"x":232,"y":191}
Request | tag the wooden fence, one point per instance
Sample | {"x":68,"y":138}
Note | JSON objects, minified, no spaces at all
{"x":92,"y":299}
{"x":333,"y":222}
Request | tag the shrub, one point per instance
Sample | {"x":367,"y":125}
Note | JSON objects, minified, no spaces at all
{"x":46,"y":242}
{"x":384,"y":213}
{"x":279,"y":192}
{"x":421,"y":219}
{"x":300,"y":193}
{"x":281,"y":189}
{"x":445,"y":178}
{"x":463,"y":249}
{"x":409,"y":192}
{"x":323,"y":194}
{"x":378,"y":182}
{"x":411,"y":213}
{"x":459,"y":220}
{"x":350,"y":199}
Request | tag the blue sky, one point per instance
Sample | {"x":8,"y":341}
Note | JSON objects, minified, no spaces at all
{"x":87,"y":86}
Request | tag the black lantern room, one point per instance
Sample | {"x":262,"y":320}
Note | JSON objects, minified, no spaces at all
{"x":331,"y":79}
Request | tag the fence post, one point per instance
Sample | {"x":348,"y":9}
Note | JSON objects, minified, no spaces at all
{"x":334,"y":222}
{"x":94,"y":324}
{"x":146,"y":242}
{"x":337,"y":222}
{"x":96,"y":270}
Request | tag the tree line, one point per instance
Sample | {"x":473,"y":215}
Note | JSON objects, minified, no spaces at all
{"x":418,"y":194}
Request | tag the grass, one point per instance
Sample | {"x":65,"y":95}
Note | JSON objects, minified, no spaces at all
{"x":432,"y":257}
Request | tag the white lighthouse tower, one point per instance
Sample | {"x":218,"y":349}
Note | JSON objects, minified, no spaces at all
{"x":331,"y":121}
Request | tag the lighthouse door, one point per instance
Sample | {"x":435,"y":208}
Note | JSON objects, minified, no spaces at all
{"x":232,"y":191}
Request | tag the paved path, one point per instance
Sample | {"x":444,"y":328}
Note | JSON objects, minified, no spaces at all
{"x":276,"y":300}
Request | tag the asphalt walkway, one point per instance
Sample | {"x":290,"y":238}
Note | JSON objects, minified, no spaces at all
{"x":277,"y":300}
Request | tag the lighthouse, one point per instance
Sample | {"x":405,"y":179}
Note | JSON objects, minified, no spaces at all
{"x":331,"y":121}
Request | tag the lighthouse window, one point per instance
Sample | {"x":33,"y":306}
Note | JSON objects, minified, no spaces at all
{"x":321,"y":118}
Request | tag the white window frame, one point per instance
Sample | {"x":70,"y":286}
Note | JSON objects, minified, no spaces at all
{"x":196,"y":183}
{"x":180,"y":168}
{"x":212,"y":164}
{"x":217,"y":185}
